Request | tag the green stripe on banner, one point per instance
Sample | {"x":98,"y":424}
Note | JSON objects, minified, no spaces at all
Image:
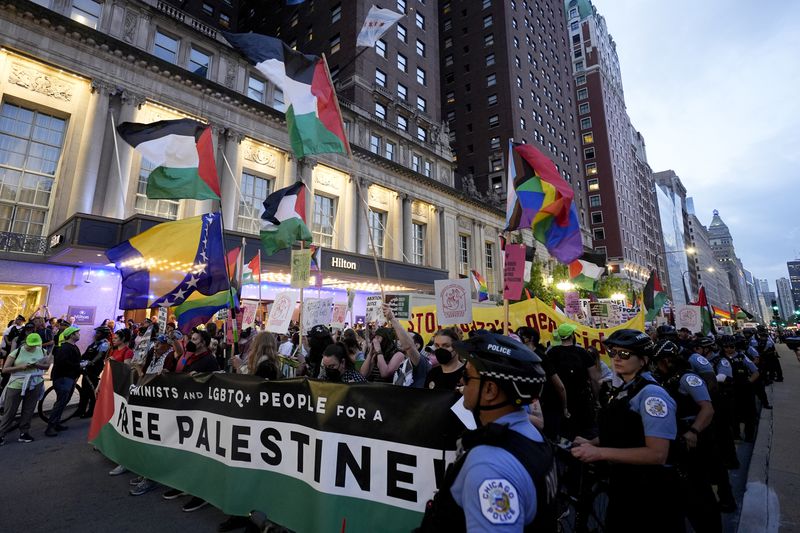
{"x":283,"y":499}
{"x":309,"y":135}
{"x":175,"y":183}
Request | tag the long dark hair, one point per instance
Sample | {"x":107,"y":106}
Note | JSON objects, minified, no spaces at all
{"x":339,"y":351}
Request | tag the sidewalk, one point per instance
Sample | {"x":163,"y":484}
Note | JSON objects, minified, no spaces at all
{"x":773,"y":481}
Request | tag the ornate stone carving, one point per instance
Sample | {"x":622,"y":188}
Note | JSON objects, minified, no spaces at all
{"x":40,"y":82}
{"x":129,"y":26}
{"x":325,"y":179}
{"x":230,"y":73}
{"x":377,"y":196}
{"x":468,"y":184}
{"x":419,"y":209}
{"x":233,"y":135}
{"x":131,"y":98}
{"x":260,"y":155}
{"x":103,"y":87}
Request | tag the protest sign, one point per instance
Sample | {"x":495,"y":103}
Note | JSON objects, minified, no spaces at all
{"x":248,"y":308}
{"x":301,"y":268}
{"x":375,"y":309}
{"x":309,"y":454}
{"x":280,"y":313}
{"x":689,"y":316}
{"x":162,"y":319}
{"x":339,"y":316}
{"x":453,"y":301}
{"x":514,"y":271}
{"x":316,"y":311}
{"x":572,"y":304}
{"x":400,"y":304}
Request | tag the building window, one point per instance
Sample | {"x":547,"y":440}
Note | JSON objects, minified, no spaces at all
{"x":415,"y":162}
{"x":401,"y":6}
{"x":591,"y":169}
{"x":402,"y":91}
{"x":494,"y":121}
{"x":422,"y":134}
{"x":492,"y":100}
{"x":380,"y":47}
{"x":588,"y":153}
{"x":489,"y":59}
{"x":519,"y":82}
{"x":522,"y":123}
{"x":165,"y":208}
{"x":597,"y":217}
{"x":487,"y":3}
{"x":376,"y":227}
{"x":224,"y":20}
{"x":417,"y":244}
{"x":374,"y":144}
{"x":494,"y":143}
{"x":380,"y":77}
{"x":401,"y":33}
{"x":401,"y":62}
{"x":491,"y":80}
{"x":420,"y":76}
{"x":448,"y":60}
{"x":580,"y":80}
{"x":448,"y":42}
{"x":450,"y":97}
{"x":256,"y":88}
{"x":388,"y":150}
{"x":496,"y":165}
{"x":599,"y":234}
{"x":594,"y":200}
{"x":593,"y":184}
{"x":427,"y":168}
{"x":336,"y":13}
{"x":402,"y":122}
{"x":488,"y":40}
{"x":586,"y":123}
{"x":199,"y":62}
{"x":487,"y":21}
{"x":335,"y":43}
{"x":463,"y":255}
{"x":588,"y":138}
{"x":489,"y":252}
{"x":516,"y":43}
{"x":30,"y":147}
{"x":208,"y":9}
{"x":277,"y":100}
{"x":422,"y":104}
{"x":254,"y":190}
{"x":380,"y":111}
{"x":420,"y":48}
{"x":420,"y":20}
{"x":87,"y":12}
{"x":322,"y":223}
{"x":583,"y":94}
{"x":583,"y":108}
{"x":165,"y":47}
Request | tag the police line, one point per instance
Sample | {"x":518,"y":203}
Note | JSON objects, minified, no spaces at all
{"x":311,"y":455}
{"x":534,"y":313}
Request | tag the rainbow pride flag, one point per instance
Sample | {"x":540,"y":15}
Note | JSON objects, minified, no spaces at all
{"x":480,"y":286}
{"x":539,"y":198}
{"x":198,"y":309}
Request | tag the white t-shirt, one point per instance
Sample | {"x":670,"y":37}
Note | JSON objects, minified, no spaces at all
{"x":286,"y":349}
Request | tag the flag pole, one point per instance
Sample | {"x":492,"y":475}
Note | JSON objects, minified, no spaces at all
{"x":260,"y":311}
{"x":122,"y":190}
{"x":505,"y":300}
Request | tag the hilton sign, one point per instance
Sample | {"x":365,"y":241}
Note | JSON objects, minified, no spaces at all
{"x":340,"y":262}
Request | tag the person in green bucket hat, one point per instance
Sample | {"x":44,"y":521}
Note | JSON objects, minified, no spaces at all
{"x":26,"y":365}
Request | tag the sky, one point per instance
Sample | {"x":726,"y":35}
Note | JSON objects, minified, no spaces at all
{"x":712,"y":86}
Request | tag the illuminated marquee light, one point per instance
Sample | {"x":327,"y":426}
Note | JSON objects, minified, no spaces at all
{"x":365,"y":286}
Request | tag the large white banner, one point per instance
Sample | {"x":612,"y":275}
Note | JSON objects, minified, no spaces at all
{"x":453,"y":301}
{"x":377,"y":23}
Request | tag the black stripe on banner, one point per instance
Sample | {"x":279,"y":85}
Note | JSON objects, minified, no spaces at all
{"x":258,"y":48}
{"x":419,"y":417}
{"x":135,"y":134}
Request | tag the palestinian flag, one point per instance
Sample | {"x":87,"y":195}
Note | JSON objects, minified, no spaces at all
{"x":285,"y":219}
{"x":654,"y":296}
{"x":585,"y":272}
{"x":706,"y":312}
{"x":198,"y":309}
{"x":312,"y":110}
{"x":183,"y":153}
{"x":251,"y":273}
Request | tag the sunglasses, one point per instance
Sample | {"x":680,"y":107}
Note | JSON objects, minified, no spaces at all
{"x":622,"y":354}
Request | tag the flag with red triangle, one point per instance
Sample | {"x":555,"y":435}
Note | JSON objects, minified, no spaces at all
{"x":251,"y":273}
{"x":706,"y":312}
{"x":654,"y":296}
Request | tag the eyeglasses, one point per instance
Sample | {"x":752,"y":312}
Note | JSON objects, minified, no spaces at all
{"x":622,"y":354}
{"x":466,"y":378}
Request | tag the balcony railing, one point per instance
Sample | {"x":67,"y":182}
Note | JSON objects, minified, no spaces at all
{"x":19,"y":242}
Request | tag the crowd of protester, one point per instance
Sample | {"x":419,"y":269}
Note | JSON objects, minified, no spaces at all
{"x":719,"y":379}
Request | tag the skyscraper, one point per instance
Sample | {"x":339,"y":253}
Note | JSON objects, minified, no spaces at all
{"x":794,"y":279}
{"x":722,"y":245}
{"x":621,"y":199}
{"x":785,"y":301}
{"x":705,"y":269}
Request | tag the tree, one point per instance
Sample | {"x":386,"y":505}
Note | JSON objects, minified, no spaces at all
{"x":608,"y":285}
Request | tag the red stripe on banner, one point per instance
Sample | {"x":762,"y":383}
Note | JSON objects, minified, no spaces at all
{"x":104,"y":408}
{"x":327,"y":110}
{"x":206,"y":168}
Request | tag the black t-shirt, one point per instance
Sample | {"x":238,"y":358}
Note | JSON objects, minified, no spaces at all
{"x":206,"y":363}
{"x":66,"y":362}
{"x":572,"y":364}
{"x":441,"y":380}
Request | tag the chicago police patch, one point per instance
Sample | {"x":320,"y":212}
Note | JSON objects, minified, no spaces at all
{"x":499,"y":502}
{"x":693,"y":380}
{"x":702,"y":360}
{"x":656,"y":406}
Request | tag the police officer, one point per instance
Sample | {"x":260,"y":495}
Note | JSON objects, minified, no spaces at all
{"x":745,"y":375}
{"x":95,"y":354}
{"x":770,"y":364}
{"x":504,"y":478}
{"x":703,"y":349}
{"x":636,"y":423}
{"x":693,"y":449}
{"x":723,"y":422}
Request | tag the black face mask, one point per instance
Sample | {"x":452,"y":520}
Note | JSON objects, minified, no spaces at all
{"x":191,"y":347}
{"x":443,"y":356}
{"x":334,"y":374}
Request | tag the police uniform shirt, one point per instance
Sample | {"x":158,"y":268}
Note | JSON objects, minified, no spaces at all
{"x":700,"y":364}
{"x":724,"y":367}
{"x":692,"y":385}
{"x":751,"y":366}
{"x":657,"y":409}
{"x":751,"y":353}
{"x":493,"y":488}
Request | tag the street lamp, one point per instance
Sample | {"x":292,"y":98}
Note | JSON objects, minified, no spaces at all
{"x":565,"y":286}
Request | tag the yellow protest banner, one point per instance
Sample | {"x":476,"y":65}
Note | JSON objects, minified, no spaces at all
{"x":533,"y":313}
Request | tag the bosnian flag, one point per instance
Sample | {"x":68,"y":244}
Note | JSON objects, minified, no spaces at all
{"x":285,"y":219}
{"x":183,"y":153}
{"x":312,"y":110}
{"x":377,"y":23}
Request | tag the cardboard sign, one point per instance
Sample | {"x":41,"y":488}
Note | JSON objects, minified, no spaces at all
{"x":339,"y":315}
{"x":374,"y":309}
{"x":316,"y":311}
{"x":599,"y":310}
{"x":689,"y":316}
{"x":400,"y":304}
{"x":454,"y":300}
{"x":280,"y":313}
{"x":301,"y":268}
{"x":248,"y":308}
{"x":514,"y":277}
{"x":572,"y":304}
